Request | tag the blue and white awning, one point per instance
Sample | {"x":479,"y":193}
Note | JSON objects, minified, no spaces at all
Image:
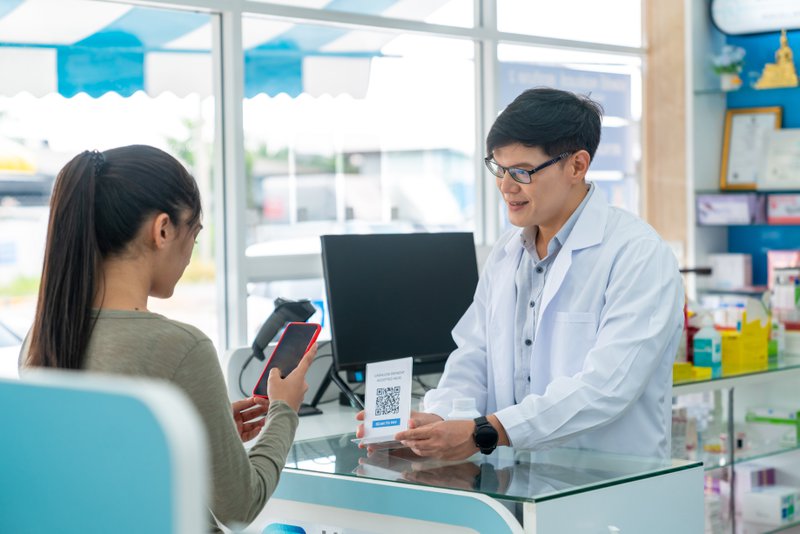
{"x":75,"y":46}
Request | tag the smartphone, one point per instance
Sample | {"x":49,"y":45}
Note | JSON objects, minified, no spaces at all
{"x":297,"y":338}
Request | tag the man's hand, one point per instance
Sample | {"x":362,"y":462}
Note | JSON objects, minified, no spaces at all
{"x":418,"y":419}
{"x":244,"y":413}
{"x":446,"y":440}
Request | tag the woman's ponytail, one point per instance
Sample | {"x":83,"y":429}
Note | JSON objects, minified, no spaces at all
{"x":63,"y":320}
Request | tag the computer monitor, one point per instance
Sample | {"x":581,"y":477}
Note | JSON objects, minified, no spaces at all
{"x":396,"y":295}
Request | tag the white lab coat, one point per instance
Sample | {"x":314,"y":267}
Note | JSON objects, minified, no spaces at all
{"x":610,"y":320}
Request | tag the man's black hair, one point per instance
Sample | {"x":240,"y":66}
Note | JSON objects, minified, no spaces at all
{"x":557,"y":121}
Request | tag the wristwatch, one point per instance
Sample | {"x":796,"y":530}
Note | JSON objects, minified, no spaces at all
{"x":485,"y":435}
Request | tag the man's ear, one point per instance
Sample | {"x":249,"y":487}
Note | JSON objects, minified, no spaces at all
{"x":579,"y":165}
{"x":161,"y":230}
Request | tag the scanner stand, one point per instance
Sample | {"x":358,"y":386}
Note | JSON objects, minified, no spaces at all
{"x":331,"y":376}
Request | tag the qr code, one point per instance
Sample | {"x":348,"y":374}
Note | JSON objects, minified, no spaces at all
{"x":387,"y":401}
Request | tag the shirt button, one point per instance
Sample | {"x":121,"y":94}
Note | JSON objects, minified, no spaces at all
{"x":533,"y":304}
{"x":528,"y":342}
{"x":540,"y":270}
{"x":529,"y":379}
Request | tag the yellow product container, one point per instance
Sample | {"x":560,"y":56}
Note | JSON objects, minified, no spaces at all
{"x":701,"y":373}
{"x":745,"y":351}
{"x":681,"y":372}
{"x":755,"y":343}
{"x":732,"y":353}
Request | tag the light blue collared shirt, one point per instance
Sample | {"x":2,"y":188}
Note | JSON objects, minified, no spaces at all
{"x":530,"y":278}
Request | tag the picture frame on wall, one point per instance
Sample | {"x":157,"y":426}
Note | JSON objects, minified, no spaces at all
{"x":744,"y":145}
{"x":781,"y":161}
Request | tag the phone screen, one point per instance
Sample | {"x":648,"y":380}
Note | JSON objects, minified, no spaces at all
{"x":288,"y":353}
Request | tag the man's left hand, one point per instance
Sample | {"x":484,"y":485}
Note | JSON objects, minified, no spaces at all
{"x":445,"y":440}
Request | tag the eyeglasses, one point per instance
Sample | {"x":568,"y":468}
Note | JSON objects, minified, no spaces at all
{"x":520,"y":175}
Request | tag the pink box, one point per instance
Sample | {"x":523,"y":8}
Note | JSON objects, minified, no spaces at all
{"x":783,"y":209}
{"x":780,"y":259}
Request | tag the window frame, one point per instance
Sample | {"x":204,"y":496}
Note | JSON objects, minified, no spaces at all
{"x":234,"y":268}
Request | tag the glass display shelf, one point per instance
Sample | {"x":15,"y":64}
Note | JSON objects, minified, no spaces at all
{"x":731,"y":192}
{"x":745,"y":90}
{"x":508,"y":474}
{"x":718,"y":460}
{"x":788,"y":365}
{"x":769,"y":529}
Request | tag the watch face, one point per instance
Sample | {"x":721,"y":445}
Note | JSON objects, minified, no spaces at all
{"x":486,"y":436}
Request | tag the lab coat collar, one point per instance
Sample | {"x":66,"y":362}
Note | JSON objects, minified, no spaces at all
{"x":588,"y":230}
{"x":591,"y":224}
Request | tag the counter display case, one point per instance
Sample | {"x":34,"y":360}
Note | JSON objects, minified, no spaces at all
{"x":330,"y":485}
{"x":732,"y":443}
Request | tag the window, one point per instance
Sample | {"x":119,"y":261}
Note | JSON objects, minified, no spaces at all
{"x":357,"y":117}
{"x":617,"y":23}
{"x":89,"y":75}
{"x":612,"y":80}
{"x":445,"y":12}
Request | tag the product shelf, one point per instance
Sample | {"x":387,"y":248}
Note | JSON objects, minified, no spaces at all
{"x":788,"y":366}
{"x":749,"y":526}
{"x":718,"y":460}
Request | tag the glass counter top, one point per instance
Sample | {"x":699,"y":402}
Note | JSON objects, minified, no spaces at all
{"x":507,"y":474}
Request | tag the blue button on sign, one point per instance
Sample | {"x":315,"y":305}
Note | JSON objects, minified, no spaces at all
{"x":385,"y":422}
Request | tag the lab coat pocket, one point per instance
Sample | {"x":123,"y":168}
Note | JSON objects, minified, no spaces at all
{"x":574,"y":334}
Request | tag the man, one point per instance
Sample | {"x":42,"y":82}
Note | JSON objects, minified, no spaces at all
{"x":577,"y":316}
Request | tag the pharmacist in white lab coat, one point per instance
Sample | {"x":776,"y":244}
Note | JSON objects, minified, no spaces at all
{"x":576,"y":320}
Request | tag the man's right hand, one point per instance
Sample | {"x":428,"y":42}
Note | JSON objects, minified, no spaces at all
{"x":417,"y":420}
{"x":292,"y":388}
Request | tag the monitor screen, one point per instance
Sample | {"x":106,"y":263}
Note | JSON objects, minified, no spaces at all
{"x":397,"y":295}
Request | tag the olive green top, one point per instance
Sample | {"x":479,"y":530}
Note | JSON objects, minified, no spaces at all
{"x":150,"y":345}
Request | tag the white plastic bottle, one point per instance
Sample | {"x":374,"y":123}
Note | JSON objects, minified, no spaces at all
{"x":463,"y":409}
{"x":708,"y":348}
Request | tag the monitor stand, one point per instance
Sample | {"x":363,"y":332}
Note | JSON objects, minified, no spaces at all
{"x":330,"y":376}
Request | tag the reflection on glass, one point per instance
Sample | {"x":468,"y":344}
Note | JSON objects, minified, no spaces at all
{"x":507,"y":474}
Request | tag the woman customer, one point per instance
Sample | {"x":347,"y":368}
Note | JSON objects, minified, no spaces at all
{"x":122,"y":227}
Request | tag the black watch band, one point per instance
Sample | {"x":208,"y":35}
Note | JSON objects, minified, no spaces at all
{"x":485,"y":435}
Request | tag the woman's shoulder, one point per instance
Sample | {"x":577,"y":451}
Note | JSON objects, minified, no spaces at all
{"x":154,"y":326}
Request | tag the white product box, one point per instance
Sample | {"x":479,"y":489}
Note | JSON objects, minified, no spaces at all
{"x":770,"y":505}
{"x":731,"y":271}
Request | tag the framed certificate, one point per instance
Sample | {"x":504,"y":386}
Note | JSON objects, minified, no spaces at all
{"x":782,"y":161}
{"x":744,"y":145}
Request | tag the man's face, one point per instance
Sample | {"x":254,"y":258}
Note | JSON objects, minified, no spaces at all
{"x":541,"y":202}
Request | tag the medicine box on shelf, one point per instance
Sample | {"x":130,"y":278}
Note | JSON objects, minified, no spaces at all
{"x":783,"y":209}
{"x":726,"y":209}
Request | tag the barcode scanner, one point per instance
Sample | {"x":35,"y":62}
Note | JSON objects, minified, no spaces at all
{"x":286,"y":311}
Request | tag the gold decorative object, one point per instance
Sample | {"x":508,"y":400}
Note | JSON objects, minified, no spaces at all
{"x":781,"y":73}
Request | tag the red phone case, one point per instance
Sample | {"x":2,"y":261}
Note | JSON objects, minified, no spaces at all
{"x":264,"y":372}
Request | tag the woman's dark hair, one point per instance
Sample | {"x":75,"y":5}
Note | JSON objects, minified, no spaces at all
{"x":557,"y":121}
{"x":100,"y":201}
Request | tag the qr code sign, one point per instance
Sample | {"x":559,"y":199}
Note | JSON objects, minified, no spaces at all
{"x":387,"y":401}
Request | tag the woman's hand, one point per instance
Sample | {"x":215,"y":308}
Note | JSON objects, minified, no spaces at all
{"x":245,"y":414}
{"x":292,"y":388}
